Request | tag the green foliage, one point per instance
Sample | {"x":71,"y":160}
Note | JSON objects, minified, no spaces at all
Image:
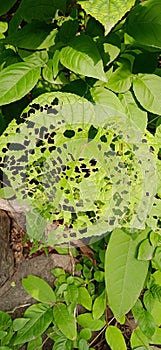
{"x":80,"y":150}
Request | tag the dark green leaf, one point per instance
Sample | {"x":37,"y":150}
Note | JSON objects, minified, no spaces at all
{"x":144,"y":23}
{"x":42,"y":10}
{"x":6,"y":5}
{"x":33,"y":36}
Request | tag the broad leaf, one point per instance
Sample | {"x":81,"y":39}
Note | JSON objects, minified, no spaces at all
{"x":40,"y":317}
{"x":87,"y":321}
{"x":83,"y":345}
{"x":64,"y":321}
{"x":139,"y":341}
{"x":108,"y":12}
{"x":144,"y":23}
{"x":35,"y":35}
{"x":145,"y":251}
{"x":16,"y":81}
{"x":147,"y":91}
{"x":124,"y":274}
{"x":144,"y":318}
{"x":35,"y":344}
{"x":84,"y":298}
{"x":5,"y":321}
{"x":120,"y":80}
{"x":42,"y":10}
{"x":137,"y":115}
{"x":6,"y":5}
{"x":99,"y":305}
{"x":39,"y":289}
{"x":107,"y":98}
{"x":82,"y":57}
{"x":62,"y":343}
{"x":115,"y":338}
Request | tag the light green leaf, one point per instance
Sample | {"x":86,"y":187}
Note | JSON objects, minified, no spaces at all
{"x":156,"y":338}
{"x":144,"y":23}
{"x":62,"y":343}
{"x":108,"y":12}
{"x":39,"y":58}
{"x":18,"y":323}
{"x":99,"y":305}
{"x":35,"y":344}
{"x":16,"y":81}
{"x":145,"y":251}
{"x":87,"y":321}
{"x":6,"y":5}
{"x":40,"y":317}
{"x":144,"y":318}
{"x":38,"y":289}
{"x":85,"y":333}
{"x":5,"y":348}
{"x":84,"y":298}
{"x":139,"y":341}
{"x":82,"y":57}
{"x":64,"y":321}
{"x":138,"y":116}
{"x":83,"y":345}
{"x":147,"y":91}
{"x":33,"y":36}
{"x":3,"y":27}
{"x":115,"y":338}
{"x":107,"y":98}
{"x":121,"y":78}
{"x":124,"y":274}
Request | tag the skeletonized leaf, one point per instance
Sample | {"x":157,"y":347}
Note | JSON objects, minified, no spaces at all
{"x":16,"y":81}
{"x":124,"y":274}
{"x":108,"y":12}
{"x":82,"y":57}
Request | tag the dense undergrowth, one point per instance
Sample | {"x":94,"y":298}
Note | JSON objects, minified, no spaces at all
{"x":80,"y":150}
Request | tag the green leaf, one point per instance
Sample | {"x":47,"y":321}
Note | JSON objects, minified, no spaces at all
{"x":108,"y":12}
{"x":5,"y":320}
{"x":85,"y":333}
{"x":144,"y":23}
{"x":120,"y":80}
{"x":83,"y":345}
{"x":33,"y":36}
{"x":145,"y":250}
{"x":139,"y":341}
{"x":156,"y":338}
{"x":147,"y":91}
{"x":124,"y":274}
{"x":16,"y":81}
{"x":5,"y":348}
{"x":18,"y":323}
{"x":107,"y":98}
{"x":115,"y":338}
{"x":62,"y":343}
{"x":3,"y":27}
{"x":84,"y":298}
{"x":39,"y":58}
{"x":6,"y":5}
{"x":41,"y":10}
{"x":87,"y":321}
{"x":65,"y":322}
{"x":144,"y":318}
{"x":40,"y":317}
{"x":138,"y":116}
{"x":82,"y":57}
{"x":99,"y":305}
{"x":35,"y":344}
{"x":38,"y":289}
